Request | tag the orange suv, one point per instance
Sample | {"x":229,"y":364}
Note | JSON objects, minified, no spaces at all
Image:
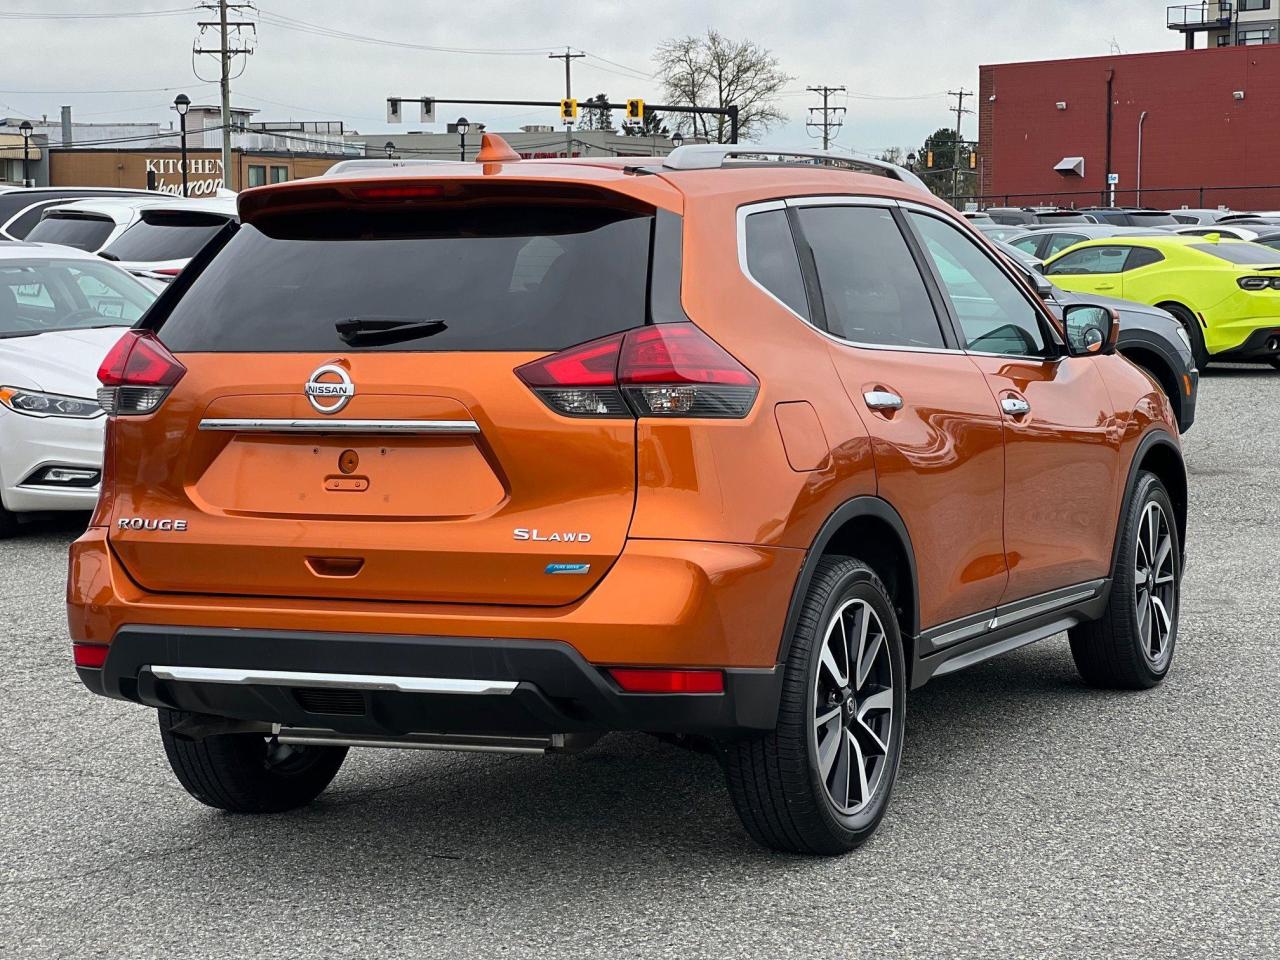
{"x":503,"y":456}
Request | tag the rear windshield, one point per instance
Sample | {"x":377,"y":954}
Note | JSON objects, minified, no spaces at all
{"x":1153,"y":219}
{"x":1252,"y":254}
{"x":502,"y":277}
{"x":165,"y":238}
{"x":83,"y":233}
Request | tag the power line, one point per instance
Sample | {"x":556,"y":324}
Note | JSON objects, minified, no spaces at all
{"x":832,"y":117}
{"x":122,"y":15}
{"x":319,"y":30}
{"x":228,"y":30}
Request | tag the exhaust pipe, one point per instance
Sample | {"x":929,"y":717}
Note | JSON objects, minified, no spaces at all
{"x":472,"y":743}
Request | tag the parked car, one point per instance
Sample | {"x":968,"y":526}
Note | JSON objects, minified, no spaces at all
{"x":1026,"y":216}
{"x":1149,"y":337}
{"x":999,"y":231}
{"x":977,"y":216}
{"x":21,"y":207}
{"x":1199,"y":217}
{"x":1045,"y":240}
{"x":60,"y":312}
{"x":385,"y":473}
{"x":1226,"y":231}
{"x":1132,"y":217}
{"x":1226,"y":294}
{"x":166,"y":236}
{"x":91,"y":224}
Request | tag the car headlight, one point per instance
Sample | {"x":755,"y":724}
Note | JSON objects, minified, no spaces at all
{"x":33,"y":403}
{"x":1182,"y":335}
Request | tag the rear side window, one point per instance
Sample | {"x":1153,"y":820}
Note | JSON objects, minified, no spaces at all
{"x":1142,"y":257}
{"x":494,"y":277}
{"x":83,"y":233}
{"x":872,"y":291}
{"x":772,"y":260}
{"x":177,"y":237}
{"x":1090,"y":260}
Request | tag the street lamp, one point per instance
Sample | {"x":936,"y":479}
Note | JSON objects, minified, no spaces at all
{"x":911,"y":160}
{"x":25,"y":129}
{"x":463,"y":126}
{"x":677,"y":139}
{"x":390,"y":149}
{"x":182,"y":103}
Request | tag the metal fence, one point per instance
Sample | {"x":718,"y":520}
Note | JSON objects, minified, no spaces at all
{"x":1256,"y":197}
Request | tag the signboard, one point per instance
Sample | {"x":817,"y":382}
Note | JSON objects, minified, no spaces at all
{"x":204,"y":176}
{"x":1113,"y":179}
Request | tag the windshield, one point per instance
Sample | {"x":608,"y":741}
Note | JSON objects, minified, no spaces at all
{"x":1249,"y":254}
{"x":503,"y":277}
{"x":42,"y":295}
{"x":82,"y":232}
{"x":179,"y":237}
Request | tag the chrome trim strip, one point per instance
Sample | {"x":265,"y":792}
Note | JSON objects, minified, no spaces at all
{"x":340,"y":681}
{"x":312,"y":425}
{"x":1007,"y":616}
{"x":988,"y":621}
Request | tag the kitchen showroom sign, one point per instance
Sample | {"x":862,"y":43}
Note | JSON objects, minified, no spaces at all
{"x":204,"y":177}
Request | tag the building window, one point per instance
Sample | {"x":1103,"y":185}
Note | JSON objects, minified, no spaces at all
{"x":257,"y":175}
{"x":1253,"y":38}
{"x":1224,"y":40}
{"x":1245,"y":5}
{"x":279,"y":174}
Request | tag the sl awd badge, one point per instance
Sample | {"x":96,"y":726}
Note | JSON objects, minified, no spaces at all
{"x":329,"y":388}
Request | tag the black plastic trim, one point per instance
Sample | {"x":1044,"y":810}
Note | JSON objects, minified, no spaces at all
{"x":558,"y":690}
{"x":864,"y":506}
{"x":1154,"y":438}
{"x":1254,"y":348}
{"x":666,"y":269}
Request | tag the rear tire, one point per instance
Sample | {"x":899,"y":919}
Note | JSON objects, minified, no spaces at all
{"x":1131,"y":647}
{"x":247,"y":772}
{"x":1190,"y":324}
{"x":798,"y":788}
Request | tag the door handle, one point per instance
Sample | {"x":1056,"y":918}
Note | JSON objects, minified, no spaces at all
{"x":882,"y":400}
{"x":1015,"y":406}
{"x":1106,"y":286}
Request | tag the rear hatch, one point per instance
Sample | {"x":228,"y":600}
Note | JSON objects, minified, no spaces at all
{"x":350,"y":425}
{"x":164,"y":236}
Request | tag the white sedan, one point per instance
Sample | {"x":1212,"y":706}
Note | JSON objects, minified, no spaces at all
{"x":61,"y":310}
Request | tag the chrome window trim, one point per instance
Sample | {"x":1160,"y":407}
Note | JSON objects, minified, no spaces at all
{"x":822,"y":200}
{"x":340,"y":681}
{"x":313,"y":425}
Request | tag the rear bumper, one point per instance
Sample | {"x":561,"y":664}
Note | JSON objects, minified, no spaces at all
{"x":531,"y":687}
{"x":1263,"y":344}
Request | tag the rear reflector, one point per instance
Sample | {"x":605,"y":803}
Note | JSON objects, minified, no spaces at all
{"x":92,"y":655}
{"x":668,"y":681}
{"x":666,"y":370}
{"x":137,"y":374}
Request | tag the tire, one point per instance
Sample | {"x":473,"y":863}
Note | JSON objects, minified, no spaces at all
{"x":777,"y":779}
{"x":1275,"y":362}
{"x":247,"y":772}
{"x":1199,"y":352}
{"x":1131,"y":647}
{"x":8,"y":523}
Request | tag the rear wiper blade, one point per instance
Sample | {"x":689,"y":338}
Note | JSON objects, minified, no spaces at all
{"x":108,"y":256}
{"x":382,"y":330}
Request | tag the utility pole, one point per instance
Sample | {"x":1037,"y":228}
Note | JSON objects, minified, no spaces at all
{"x":225,"y":52}
{"x":832,"y":117}
{"x":568,"y":59}
{"x":955,"y":149}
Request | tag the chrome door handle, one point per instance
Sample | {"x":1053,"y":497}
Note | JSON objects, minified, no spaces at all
{"x":882,"y":400}
{"x":1015,"y":406}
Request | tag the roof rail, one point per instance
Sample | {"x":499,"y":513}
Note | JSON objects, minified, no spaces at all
{"x":712,"y":156}
{"x":356,"y":165}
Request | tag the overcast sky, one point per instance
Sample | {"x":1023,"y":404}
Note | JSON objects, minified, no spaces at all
{"x":879,"y":49}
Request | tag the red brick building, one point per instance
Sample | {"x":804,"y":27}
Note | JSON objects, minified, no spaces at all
{"x":1212,"y":122}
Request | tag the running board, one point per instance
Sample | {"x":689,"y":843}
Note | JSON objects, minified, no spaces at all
{"x":473,"y":743}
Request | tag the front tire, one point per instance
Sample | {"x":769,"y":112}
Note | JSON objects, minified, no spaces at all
{"x":820,"y":781}
{"x":247,"y":772}
{"x":1131,"y":647}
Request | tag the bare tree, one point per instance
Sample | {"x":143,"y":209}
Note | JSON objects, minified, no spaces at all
{"x":891,"y":155}
{"x":714,"y":71}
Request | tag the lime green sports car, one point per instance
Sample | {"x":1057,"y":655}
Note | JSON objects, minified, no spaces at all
{"x":1226,"y":293}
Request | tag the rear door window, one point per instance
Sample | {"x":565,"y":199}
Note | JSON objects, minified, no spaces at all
{"x":872,"y":291}
{"x":493,"y":277}
{"x":772,"y":260}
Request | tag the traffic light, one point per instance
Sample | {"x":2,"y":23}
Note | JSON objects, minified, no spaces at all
{"x":929,"y":159}
{"x":635,"y":111}
{"x":568,"y":110}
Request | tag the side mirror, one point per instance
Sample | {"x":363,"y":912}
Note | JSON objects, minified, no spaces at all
{"x":1042,"y":284}
{"x":1091,"y":330}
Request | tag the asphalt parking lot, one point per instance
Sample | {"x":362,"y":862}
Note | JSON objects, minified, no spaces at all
{"x":1033,"y":817}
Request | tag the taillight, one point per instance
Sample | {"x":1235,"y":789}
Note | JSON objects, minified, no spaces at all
{"x":1259,"y":283}
{"x":137,"y":374}
{"x":92,"y":655}
{"x":666,"y":370}
{"x":169,"y":272}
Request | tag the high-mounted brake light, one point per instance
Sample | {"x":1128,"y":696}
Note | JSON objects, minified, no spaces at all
{"x":666,"y":370}
{"x":420,"y":191}
{"x":645,"y":680}
{"x":137,"y":374}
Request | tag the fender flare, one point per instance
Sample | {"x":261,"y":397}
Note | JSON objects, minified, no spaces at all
{"x":1155,"y":437}
{"x":861,"y":506}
